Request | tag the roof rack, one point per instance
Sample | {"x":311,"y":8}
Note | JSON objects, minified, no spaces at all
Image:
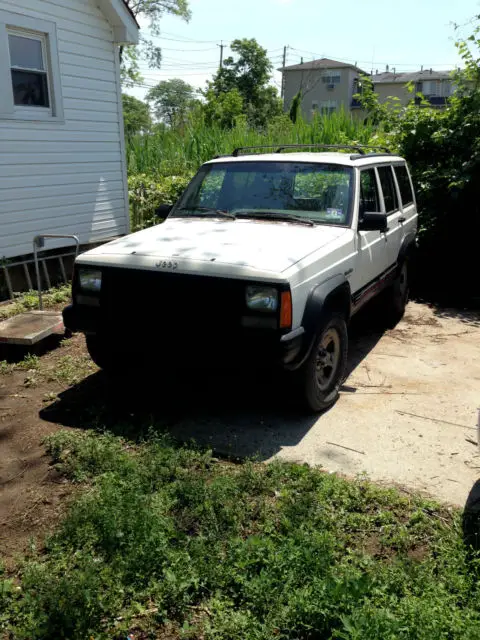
{"x":359,"y":148}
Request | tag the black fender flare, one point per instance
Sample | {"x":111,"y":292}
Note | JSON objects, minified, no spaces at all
{"x":407,"y":248}
{"x":334,"y":294}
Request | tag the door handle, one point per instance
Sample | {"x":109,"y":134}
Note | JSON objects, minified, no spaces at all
{"x":402,"y":220}
{"x":348,"y":272}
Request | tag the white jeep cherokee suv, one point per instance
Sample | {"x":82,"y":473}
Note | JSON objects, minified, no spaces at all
{"x":263,"y":260}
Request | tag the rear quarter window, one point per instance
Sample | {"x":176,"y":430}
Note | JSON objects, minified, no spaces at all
{"x":404,"y":185}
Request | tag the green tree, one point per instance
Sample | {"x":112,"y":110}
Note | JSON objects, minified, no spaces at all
{"x":151,"y":12}
{"x":249,"y":73}
{"x":136,"y":115}
{"x":171,"y":100}
{"x":443,"y":151}
{"x":224,"y":108}
{"x":295,"y":107}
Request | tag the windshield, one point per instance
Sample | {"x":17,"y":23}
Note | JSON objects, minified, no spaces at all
{"x":320,"y":193}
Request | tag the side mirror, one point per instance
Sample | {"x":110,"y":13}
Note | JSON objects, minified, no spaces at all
{"x":373,"y":221}
{"x":163,"y":210}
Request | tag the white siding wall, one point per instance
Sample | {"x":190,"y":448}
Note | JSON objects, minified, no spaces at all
{"x":67,"y":177}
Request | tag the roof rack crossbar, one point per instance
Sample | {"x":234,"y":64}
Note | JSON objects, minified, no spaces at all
{"x":359,"y":148}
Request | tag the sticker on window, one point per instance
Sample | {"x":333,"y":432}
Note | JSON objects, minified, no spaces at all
{"x":334,"y":213}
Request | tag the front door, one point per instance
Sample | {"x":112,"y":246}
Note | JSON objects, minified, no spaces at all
{"x":372,"y":255}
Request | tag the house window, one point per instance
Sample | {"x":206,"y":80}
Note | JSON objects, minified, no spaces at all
{"x":431,"y":88}
{"x":30,"y":81}
{"x":28,"y":69}
{"x":328,"y":106}
{"x":332,"y":77}
{"x":446,"y":88}
{"x":314,"y":106}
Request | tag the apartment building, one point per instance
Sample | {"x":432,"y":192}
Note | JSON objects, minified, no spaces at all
{"x":329,"y":85}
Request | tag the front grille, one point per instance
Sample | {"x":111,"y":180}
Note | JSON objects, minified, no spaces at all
{"x":151,"y":301}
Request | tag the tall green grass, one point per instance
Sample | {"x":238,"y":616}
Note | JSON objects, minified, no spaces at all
{"x":182,"y":150}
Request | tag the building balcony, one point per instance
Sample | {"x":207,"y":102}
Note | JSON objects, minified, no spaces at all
{"x":435,"y":101}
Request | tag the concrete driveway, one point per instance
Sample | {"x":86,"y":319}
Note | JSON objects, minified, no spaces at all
{"x":407,"y":413}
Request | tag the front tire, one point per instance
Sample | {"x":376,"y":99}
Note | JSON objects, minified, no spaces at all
{"x":395,"y":298}
{"x":322,"y":374}
{"x":101,"y":356}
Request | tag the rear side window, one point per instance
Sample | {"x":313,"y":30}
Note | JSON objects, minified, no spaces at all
{"x":388,"y":187}
{"x":404,"y":185}
{"x":369,"y":200}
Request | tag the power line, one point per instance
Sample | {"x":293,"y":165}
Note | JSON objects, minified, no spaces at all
{"x":187,"y":39}
{"x":189,"y":50}
{"x":369,"y":62}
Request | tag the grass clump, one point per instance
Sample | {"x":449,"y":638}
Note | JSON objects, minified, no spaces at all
{"x":30,"y":363}
{"x":29,"y":301}
{"x":169,"y":537}
{"x":70,"y":369}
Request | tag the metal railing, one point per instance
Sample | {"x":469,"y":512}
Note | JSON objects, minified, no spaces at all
{"x":39,"y":243}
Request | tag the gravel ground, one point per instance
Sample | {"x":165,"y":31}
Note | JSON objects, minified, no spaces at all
{"x":407,"y":413}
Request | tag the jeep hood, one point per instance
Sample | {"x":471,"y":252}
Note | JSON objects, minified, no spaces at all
{"x":260,"y":245}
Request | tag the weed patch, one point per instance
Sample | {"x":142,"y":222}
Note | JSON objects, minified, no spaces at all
{"x":166,"y":537}
{"x":29,"y":301}
{"x":70,"y":369}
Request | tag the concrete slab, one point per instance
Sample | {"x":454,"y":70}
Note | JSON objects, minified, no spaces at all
{"x":30,"y":328}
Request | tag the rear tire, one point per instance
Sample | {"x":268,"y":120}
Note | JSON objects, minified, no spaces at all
{"x":320,"y":377}
{"x":395,"y":298}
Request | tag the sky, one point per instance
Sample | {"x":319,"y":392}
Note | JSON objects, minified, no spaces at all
{"x":405,"y":34}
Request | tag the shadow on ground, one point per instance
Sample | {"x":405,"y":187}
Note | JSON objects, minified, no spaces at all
{"x":15,"y":353}
{"x":237,"y":415}
{"x":471,"y":520}
{"x":468,"y":317}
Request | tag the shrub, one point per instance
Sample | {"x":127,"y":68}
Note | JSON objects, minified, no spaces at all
{"x":147,"y":192}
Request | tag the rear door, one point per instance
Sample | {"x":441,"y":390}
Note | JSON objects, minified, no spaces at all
{"x":372,"y":256}
{"x":407,"y":198}
{"x":391,"y":206}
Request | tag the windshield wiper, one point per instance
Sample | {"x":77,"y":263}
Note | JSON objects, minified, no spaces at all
{"x":275,"y":215}
{"x":209,"y":211}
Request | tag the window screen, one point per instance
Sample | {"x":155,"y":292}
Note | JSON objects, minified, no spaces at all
{"x":369,"y":200}
{"x":404,"y":185}
{"x":388,"y":187}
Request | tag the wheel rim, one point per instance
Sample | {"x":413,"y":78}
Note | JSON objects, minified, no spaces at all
{"x":403,"y":283}
{"x":328,"y":357}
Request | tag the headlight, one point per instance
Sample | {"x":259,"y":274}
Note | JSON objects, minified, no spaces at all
{"x":90,"y":280}
{"x":262,"y":298}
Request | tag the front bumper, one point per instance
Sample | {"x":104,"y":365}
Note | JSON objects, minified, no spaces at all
{"x":223,"y":346}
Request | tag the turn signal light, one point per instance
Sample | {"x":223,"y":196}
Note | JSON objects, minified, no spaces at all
{"x":286,"y":310}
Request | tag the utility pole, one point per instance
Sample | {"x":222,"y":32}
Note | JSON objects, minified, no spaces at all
{"x":282,"y":92}
{"x":222,"y":46}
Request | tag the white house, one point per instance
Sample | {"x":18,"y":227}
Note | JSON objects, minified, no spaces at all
{"x":62,"y":155}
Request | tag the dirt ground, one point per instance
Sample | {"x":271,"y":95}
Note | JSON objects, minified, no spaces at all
{"x":406,"y":416}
